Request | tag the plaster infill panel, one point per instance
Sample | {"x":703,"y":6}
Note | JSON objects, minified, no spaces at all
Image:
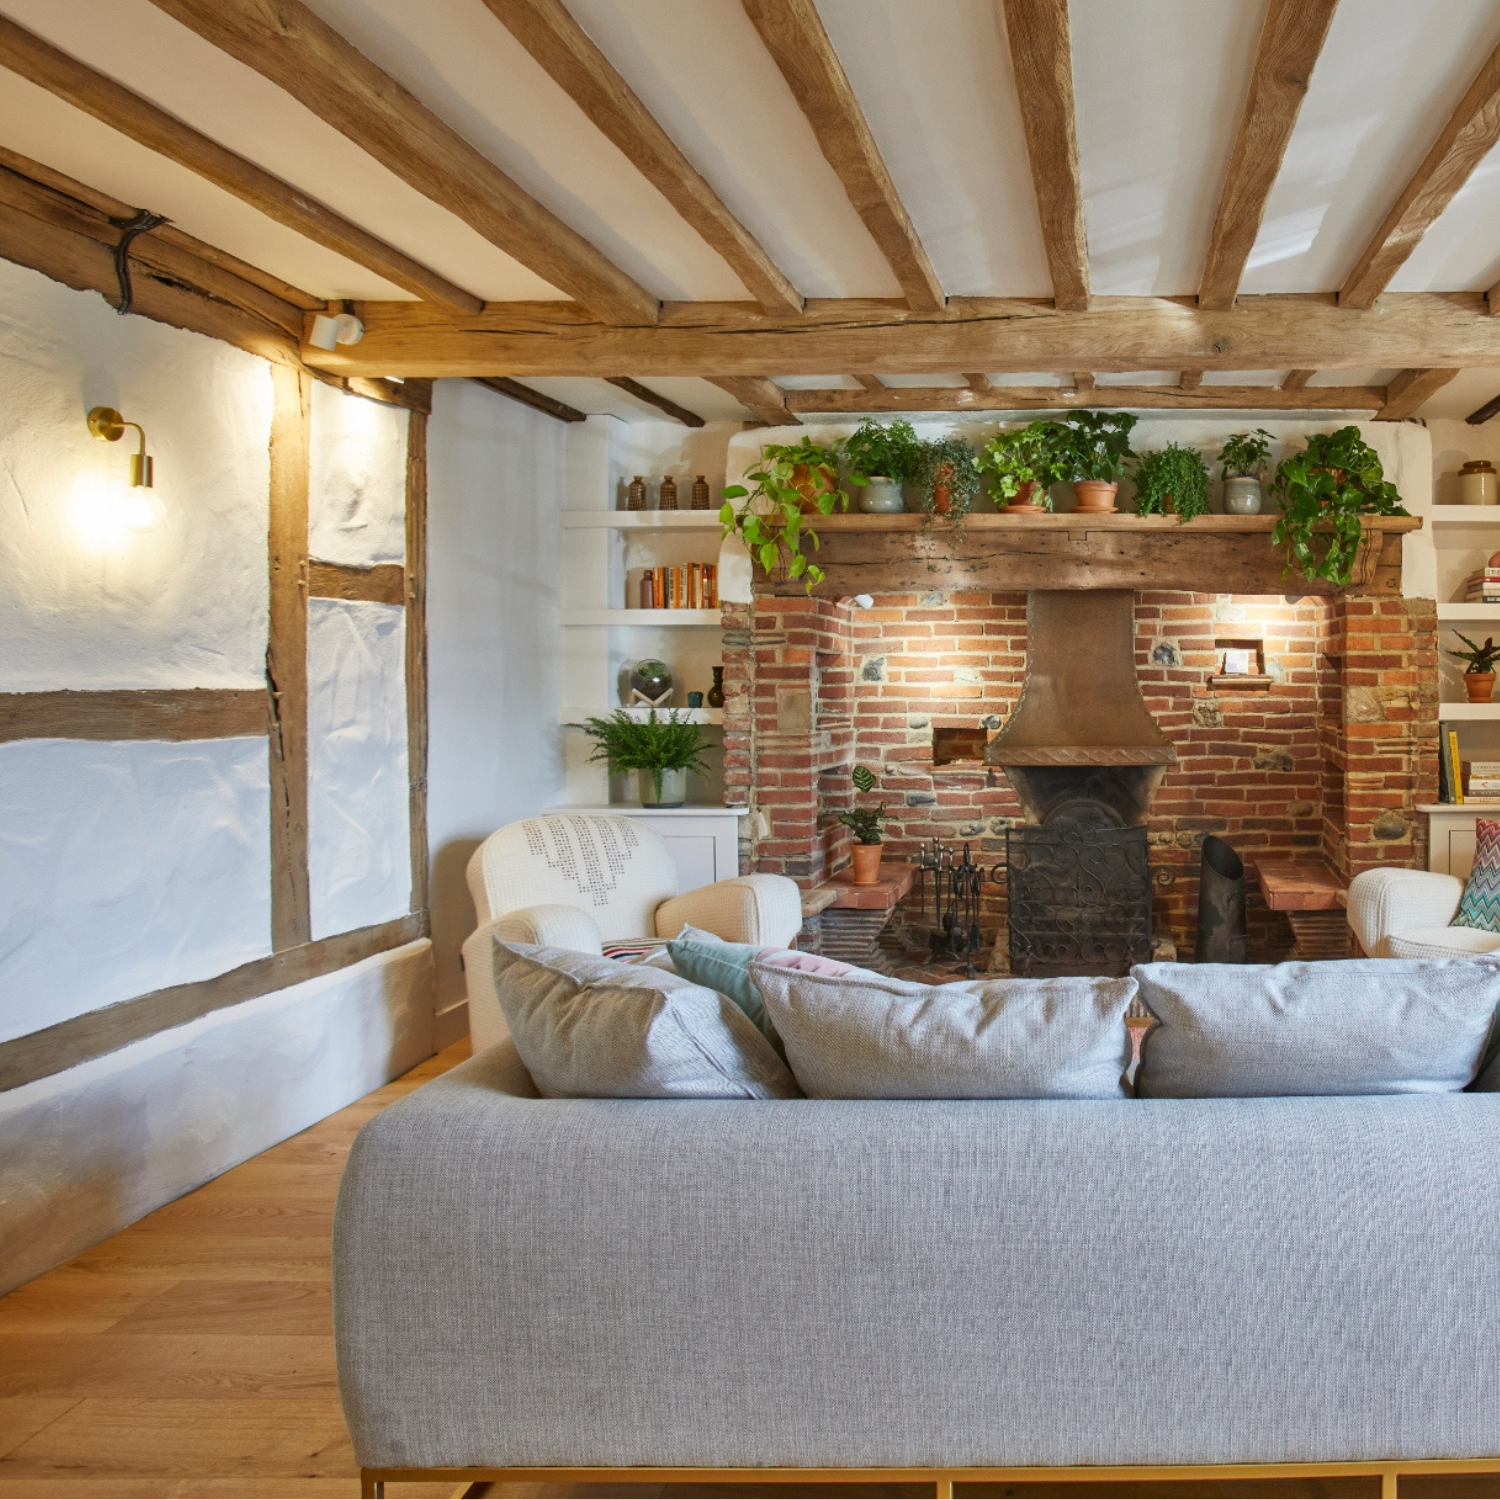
{"x":102,"y":586}
{"x":357,"y":480}
{"x":126,"y":868}
{"x":359,"y":845}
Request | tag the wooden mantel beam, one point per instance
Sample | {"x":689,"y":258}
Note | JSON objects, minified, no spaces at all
{"x":1463,"y":143}
{"x":32,"y":58}
{"x":1419,"y":330}
{"x":795,"y":38}
{"x":551,"y":35}
{"x":1290,"y":41}
{"x":298,"y":51}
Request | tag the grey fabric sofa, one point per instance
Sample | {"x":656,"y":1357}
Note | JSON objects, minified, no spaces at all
{"x":524,"y":1282}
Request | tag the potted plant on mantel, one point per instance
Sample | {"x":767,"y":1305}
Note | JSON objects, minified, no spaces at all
{"x":1242,"y":460}
{"x":1026,"y":462}
{"x":1098,"y":450}
{"x":1479,"y":674}
{"x":660,"y":751}
{"x":865,"y":823}
{"x":881,"y":458}
{"x":1323,"y":492}
{"x":1174,"y":480}
{"x":946,"y":478}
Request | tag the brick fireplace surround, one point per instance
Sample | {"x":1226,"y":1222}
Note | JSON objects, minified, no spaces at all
{"x":1328,"y":758}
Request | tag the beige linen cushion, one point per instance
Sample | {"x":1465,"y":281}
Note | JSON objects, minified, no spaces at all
{"x":590,"y":1028}
{"x":1442,"y":942}
{"x":869,"y":1037}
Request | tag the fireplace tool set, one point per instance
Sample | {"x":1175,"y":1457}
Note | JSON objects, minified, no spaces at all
{"x":956,"y":886}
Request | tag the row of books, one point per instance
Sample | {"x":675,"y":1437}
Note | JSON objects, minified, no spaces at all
{"x":1483,"y":586}
{"x":1460,"y":779}
{"x":685,"y":586}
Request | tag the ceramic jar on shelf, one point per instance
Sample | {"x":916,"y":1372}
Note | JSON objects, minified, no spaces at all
{"x":1477,"y":483}
{"x":1242,"y":496}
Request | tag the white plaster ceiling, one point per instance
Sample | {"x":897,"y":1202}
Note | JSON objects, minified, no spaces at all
{"x":1159,"y":86}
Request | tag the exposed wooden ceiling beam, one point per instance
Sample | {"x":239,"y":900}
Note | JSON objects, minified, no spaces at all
{"x":286,"y":42}
{"x":1484,"y":413}
{"x":1406,"y":330}
{"x":1409,"y":390}
{"x":1190,"y":380}
{"x":650,"y":397}
{"x":1296,"y":380}
{"x":1464,"y":141}
{"x":551,"y":35}
{"x":795,"y":38}
{"x":869,"y":382}
{"x":766,"y":400}
{"x":1290,"y":42}
{"x":28,"y":55}
{"x":528,"y":397}
{"x":1042,"y":56}
{"x":1083,"y":381}
{"x":1052,"y":398}
{"x":978,"y":382}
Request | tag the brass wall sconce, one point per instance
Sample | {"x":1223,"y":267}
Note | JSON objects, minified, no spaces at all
{"x":109,"y":426}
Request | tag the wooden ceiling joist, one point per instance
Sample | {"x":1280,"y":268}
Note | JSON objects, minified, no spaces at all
{"x":763,"y":398}
{"x":651,"y":398}
{"x":794,"y":36}
{"x":1296,"y":380}
{"x":287,"y":43}
{"x":1415,"y":330}
{"x":1083,"y":381}
{"x":27,"y":54}
{"x":978,"y":382}
{"x":1484,"y":413}
{"x":1465,"y":140}
{"x":1410,"y":390}
{"x":1290,"y":41}
{"x":551,"y":35}
{"x":1190,"y":380}
{"x":515,"y":391}
{"x":1042,"y":56}
{"x":1053,"y":398}
{"x":869,"y":382}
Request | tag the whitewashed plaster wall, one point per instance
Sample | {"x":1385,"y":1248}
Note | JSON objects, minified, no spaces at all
{"x":356,"y":480}
{"x":90,"y":1150}
{"x":497,"y":482}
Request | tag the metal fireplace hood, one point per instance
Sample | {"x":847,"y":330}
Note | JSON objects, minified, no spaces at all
{"x":1080,"y":704}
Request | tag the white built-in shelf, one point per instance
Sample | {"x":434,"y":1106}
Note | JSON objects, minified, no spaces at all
{"x":643,"y":617}
{"x":635,"y":810}
{"x":1465,"y":515}
{"x":647,"y":520}
{"x":641,"y":712}
{"x":1468,"y":611}
{"x":1467,"y":805}
{"x":1468,"y":711}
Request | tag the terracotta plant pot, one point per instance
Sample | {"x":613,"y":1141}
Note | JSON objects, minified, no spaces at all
{"x":1480,"y":686}
{"x":810,"y":483}
{"x":942,"y":491}
{"x":1025,"y":501}
{"x":866,"y":859}
{"x":1094,"y":494}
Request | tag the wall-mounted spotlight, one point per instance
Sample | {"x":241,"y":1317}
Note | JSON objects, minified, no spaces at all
{"x":329,"y":330}
{"x":109,"y":427}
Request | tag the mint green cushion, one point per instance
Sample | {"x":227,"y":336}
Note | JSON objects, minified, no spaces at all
{"x":725,"y":967}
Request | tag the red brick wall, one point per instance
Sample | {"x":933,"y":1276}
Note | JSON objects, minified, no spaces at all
{"x":813,"y":687}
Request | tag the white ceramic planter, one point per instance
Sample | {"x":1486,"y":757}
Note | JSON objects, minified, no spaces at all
{"x":1242,"y":497}
{"x":882,"y":497}
{"x":673,"y":789}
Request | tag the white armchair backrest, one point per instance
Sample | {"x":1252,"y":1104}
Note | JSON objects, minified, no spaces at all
{"x":616,"y":870}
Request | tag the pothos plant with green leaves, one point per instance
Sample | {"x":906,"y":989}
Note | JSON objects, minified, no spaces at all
{"x":1037,"y":454}
{"x":1176,"y":474}
{"x":772,"y":523}
{"x":1323,"y":491}
{"x":1245,"y":454}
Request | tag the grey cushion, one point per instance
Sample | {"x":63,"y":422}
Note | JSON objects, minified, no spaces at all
{"x":869,"y":1037}
{"x":590,"y":1028}
{"x":1373,"y":1026}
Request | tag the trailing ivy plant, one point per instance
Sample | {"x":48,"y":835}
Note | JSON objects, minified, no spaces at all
{"x":1039,"y":454}
{"x":1323,"y":491}
{"x":1176,"y":474}
{"x":625,"y":743}
{"x":773,"y":521}
{"x":882,"y":450}
{"x":948,"y":461}
{"x":1099,"y":445}
{"x":1245,"y":454}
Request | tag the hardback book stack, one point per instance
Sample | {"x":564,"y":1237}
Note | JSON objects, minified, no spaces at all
{"x":1483,"y":586}
{"x":683,"y":586}
{"x":1484,"y":781}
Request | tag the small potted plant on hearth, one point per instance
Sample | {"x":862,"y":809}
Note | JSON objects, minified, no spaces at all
{"x":660,"y":751}
{"x":946,"y":479}
{"x":1242,"y":460}
{"x":881,"y":458}
{"x":1098,"y":450}
{"x":1173,"y":480}
{"x":1479,"y":673}
{"x":865,"y":822}
{"x":1025,"y":463}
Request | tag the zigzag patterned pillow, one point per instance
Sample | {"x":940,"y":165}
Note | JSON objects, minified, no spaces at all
{"x":1481,"y":904}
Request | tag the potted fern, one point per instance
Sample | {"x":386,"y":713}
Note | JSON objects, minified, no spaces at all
{"x":660,"y":751}
{"x":1242,"y":460}
{"x":1479,"y":673}
{"x":1097,"y":451}
{"x":1175,"y":480}
{"x":865,"y":823}
{"x":946,"y":478}
{"x":1025,"y":463}
{"x":881,"y":458}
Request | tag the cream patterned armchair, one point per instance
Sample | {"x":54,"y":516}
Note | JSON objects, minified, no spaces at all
{"x":1407,"y":914}
{"x":580,"y":880}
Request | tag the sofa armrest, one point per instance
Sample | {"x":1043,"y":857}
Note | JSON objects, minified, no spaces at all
{"x":764,"y":909}
{"x":1383,"y":903}
{"x":550,"y":926}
